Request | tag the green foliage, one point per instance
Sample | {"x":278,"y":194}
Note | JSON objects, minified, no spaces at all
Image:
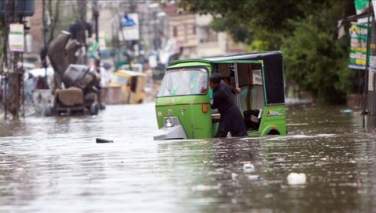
{"x":317,"y":62}
{"x":306,"y":31}
{"x":240,"y":32}
{"x":315,"y":59}
{"x":258,"y":45}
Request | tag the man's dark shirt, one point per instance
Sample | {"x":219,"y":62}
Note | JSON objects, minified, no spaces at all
{"x":223,"y":98}
{"x":231,"y":117}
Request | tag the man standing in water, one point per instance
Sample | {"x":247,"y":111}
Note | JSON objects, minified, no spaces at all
{"x":224,"y":100}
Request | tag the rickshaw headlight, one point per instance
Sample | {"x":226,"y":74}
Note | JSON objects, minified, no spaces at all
{"x":170,"y":122}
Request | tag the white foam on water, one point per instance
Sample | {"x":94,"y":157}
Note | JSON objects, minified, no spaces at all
{"x":301,"y":137}
{"x":248,"y":167}
{"x":234,"y":176}
{"x":253,"y":177}
{"x":201,"y":188}
{"x":298,"y":124}
{"x":296,"y":179}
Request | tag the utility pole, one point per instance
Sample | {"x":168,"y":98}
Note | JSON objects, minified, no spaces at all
{"x":45,"y":39}
{"x":82,"y":7}
{"x":365,"y":111}
{"x":14,"y":75}
{"x":96,"y":28}
{"x":95,"y":13}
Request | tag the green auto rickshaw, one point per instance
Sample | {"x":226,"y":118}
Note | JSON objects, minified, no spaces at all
{"x":183,"y":103}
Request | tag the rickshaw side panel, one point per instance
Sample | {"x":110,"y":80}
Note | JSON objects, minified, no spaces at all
{"x":273,"y":120}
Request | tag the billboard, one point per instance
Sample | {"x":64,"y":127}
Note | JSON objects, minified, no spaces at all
{"x":360,"y":6}
{"x":359,"y":37}
{"x":358,"y":52}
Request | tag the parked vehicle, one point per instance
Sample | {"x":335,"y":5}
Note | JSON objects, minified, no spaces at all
{"x":126,"y":87}
{"x":76,"y":86}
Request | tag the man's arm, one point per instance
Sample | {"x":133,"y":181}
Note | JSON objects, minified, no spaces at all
{"x":235,"y":91}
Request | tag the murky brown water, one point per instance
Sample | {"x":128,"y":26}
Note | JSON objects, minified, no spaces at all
{"x":54,"y":165}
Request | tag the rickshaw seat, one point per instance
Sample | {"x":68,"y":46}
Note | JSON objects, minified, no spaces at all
{"x":252,"y":119}
{"x":216,"y":117}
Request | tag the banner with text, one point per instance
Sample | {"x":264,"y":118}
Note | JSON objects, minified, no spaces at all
{"x":358,"y":52}
{"x":16,"y":38}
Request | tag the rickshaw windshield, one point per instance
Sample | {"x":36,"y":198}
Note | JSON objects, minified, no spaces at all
{"x":184,"y":81}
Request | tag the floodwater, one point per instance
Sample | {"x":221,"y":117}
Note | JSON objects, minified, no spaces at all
{"x":55,"y":165}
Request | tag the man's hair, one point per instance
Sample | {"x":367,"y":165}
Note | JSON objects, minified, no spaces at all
{"x":215,"y":78}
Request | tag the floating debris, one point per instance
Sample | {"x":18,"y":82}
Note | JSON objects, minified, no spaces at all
{"x":201,"y":188}
{"x":248,"y":167}
{"x":346,"y":111}
{"x":101,"y":140}
{"x":253,"y":177}
{"x":234,"y":176}
{"x":296,"y":179}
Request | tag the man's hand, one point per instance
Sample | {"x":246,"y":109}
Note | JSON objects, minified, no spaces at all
{"x":204,"y":90}
{"x":235,"y":90}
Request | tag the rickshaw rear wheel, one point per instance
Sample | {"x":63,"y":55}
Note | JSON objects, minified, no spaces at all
{"x":273,"y":132}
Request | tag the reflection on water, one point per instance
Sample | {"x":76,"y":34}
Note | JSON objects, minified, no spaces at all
{"x":54,"y":165}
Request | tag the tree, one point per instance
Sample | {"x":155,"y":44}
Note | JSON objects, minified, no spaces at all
{"x":315,"y":59}
{"x":306,"y":31}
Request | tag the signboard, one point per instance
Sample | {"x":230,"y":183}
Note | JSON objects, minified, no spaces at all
{"x":130,"y":27}
{"x":360,"y":6}
{"x":16,"y":38}
{"x":256,"y":77}
{"x":358,"y":52}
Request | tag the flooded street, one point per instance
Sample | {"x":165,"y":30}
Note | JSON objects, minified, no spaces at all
{"x":55,"y":165}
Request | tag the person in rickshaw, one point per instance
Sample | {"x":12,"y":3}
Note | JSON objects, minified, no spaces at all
{"x":224,"y":100}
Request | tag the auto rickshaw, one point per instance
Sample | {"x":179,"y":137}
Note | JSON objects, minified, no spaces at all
{"x":183,"y":104}
{"x":130,"y":85}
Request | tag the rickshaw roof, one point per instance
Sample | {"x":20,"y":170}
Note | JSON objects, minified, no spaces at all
{"x":245,"y":56}
{"x":273,"y":70}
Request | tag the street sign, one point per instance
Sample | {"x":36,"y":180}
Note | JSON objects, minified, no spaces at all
{"x":358,"y":52}
{"x":130,"y":27}
{"x":360,"y":6}
{"x":16,"y":38}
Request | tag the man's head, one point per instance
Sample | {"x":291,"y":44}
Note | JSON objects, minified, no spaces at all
{"x":227,"y":80}
{"x":215,"y":80}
